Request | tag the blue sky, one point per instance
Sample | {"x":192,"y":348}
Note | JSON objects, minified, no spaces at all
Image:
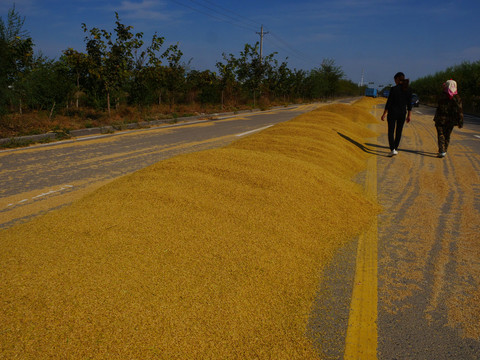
{"x":376,"y":37}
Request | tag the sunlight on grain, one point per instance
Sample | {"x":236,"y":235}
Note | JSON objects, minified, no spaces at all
{"x":215,"y":254}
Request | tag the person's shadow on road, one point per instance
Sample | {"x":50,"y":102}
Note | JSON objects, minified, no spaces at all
{"x":381,"y":150}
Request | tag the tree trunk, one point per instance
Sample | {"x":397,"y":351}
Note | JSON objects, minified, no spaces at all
{"x":78,"y":89}
{"x":51,"y":111}
{"x":108,"y":103}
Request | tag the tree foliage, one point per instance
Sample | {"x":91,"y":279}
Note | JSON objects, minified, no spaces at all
{"x":467,"y":76}
{"x":119,"y":67}
{"x":16,"y":54}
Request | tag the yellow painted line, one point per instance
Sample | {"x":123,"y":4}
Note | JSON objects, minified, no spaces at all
{"x":361,"y":340}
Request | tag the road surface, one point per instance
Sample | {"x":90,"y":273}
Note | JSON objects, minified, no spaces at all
{"x":429,"y":244}
{"x":44,"y":177}
{"x":426,"y":248}
{"x":426,"y":244}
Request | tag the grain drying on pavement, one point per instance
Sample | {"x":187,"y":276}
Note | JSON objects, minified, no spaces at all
{"x":216,"y":254}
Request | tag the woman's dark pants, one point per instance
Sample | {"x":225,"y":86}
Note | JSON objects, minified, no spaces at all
{"x":395,"y":127}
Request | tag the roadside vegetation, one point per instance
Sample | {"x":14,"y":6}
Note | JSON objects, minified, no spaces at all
{"x":123,"y":78}
{"x":467,"y":76}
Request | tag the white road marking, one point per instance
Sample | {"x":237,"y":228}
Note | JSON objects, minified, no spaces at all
{"x":65,"y":187}
{"x":252,"y":131}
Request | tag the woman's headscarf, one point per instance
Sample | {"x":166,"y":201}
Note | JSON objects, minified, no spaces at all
{"x":450,"y":88}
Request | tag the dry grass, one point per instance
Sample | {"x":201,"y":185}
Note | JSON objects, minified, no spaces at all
{"x":39,"y":122}
{"x":211,"y":255}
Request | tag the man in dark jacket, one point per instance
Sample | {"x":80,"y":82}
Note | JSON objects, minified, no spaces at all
{"x":398,"y":109}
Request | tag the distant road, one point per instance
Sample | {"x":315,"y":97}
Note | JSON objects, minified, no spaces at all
{"x":43,"y":177}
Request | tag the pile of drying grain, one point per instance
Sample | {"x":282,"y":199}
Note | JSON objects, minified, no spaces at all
{"x":215,"y":254}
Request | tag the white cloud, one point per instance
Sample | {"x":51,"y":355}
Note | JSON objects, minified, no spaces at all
{"x":472,"y":53}
{"x":144,"y":10}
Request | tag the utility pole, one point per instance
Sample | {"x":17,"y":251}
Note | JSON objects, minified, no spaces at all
{"x":261,"y":33}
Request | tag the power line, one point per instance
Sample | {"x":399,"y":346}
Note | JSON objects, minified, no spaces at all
{"x":254,"y":23}
{"x":209,"y":14}
{"x":217,"y":11}
{"x":223,"y":14}
{"x":289,"y":49}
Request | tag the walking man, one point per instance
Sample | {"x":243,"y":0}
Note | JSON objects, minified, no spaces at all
{"x":398,"y":110}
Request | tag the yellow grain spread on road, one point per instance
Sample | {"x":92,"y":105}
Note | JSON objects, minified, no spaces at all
{"x":212,"y":255}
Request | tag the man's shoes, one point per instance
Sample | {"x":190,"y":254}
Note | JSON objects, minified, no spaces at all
{"x":393,"y":153}
{"x":442,"y":155}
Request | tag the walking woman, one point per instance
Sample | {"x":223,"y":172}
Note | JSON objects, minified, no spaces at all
{"x":449,"y":113}
{"x":398,"y":109}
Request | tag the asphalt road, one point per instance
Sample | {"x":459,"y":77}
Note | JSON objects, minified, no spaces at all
{"x":428,"y":235}
{"x":40,"y":178}
{"x":428,"y":252}
{"x":429,"y":244}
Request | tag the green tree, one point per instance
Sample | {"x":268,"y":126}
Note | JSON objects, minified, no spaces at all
{"x":4,"y":63}
{"x":47,"y":85}
{"x":251,"y":69}
{"x":77,"y":62}
{"x":347,"y":88}
{"x":174,"y":73}
{"x":111,"y":60}
{"x":149,"y":74}
{"x":466,"y":74}
{"x":202,"y":86}
{"x":228,"y":83}
{"x":16,"y":56}
{"x":300,"y":86}
{"x":325,"y":80}
{"x":284,"y":81}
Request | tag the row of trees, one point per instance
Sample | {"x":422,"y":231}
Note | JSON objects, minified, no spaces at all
{"x":121,"y":68}
{"x":467,"y":76}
